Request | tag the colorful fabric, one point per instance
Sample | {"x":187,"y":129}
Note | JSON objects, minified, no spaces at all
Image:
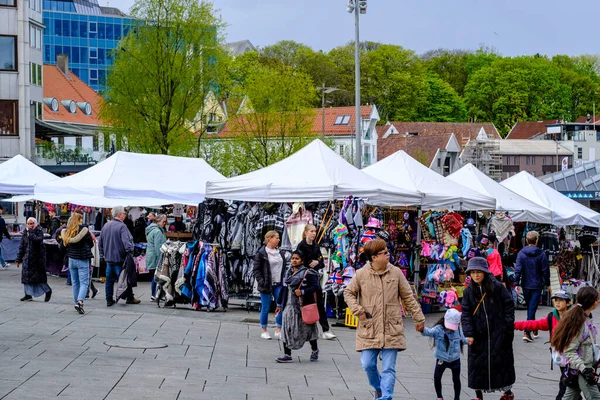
{"x":340,"y":239}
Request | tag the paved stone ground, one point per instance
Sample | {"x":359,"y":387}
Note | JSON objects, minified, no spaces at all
{"x":47,"y":350}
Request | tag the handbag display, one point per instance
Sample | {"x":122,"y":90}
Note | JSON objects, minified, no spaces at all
{"x":310,"y":312}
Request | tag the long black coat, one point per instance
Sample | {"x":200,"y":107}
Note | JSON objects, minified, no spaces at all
{"x":491,"y":358}
{"x":32,"y":256}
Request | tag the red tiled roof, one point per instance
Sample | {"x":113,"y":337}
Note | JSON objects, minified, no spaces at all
{"x":62,"y":87}
{"x":416,"y":146}
{"x":463,"y":131}
{"x":331,"y":114}
{"x":529,"y":129}
{"x":583,"y":120}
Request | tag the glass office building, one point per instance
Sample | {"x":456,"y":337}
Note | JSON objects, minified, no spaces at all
{"x":87,"y":33}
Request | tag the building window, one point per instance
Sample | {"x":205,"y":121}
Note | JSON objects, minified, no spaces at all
{"x":342,"y":120}
{"x":9,"y":113}
{"x":439,"y":162}
{"x":8,"y":3}
{"x":93,"y":52}
{"x":93,"y":74}
{"x":78,"y":142}
{"x":579,"y":153}
{"x":39,"y":110}
{"x":8,"y":53}
{"x":527,"y":160}
{"x":533,"y":173}
{"x":35,"y":37}
{"x":95,"y":144}
{"x":543,"y":160}
{"x":342,"y":150}
{"x":516,"y":160}
{"x":507,"y":160}
{"x":532,"y":160}
{"x":93,"y":27}
{"x":36,"y":74}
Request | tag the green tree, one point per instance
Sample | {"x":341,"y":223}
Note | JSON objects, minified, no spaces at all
{"x":517,"y":89}
{"x":443,"y":103}
{"x":285,"y":52}
{"x":279,"y":124}
{"x":395,"y":80}
{"x":580,"y":75}
{"x":449,"y":65}
{"x":162,"y":73}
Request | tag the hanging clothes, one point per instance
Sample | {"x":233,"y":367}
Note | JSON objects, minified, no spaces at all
{"x":296,"y":223}
{"x":502,"y":225}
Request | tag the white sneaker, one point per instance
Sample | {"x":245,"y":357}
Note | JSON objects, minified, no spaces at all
{"x":535,"y":334}
{"x":278,"y":335}
{"x":265,"y":335}
{"x":328,"y":335}
{"x":152,"y":298}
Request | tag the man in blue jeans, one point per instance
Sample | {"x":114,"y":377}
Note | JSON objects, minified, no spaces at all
{"x":3,"y":232}
{"x":381,"y":288}
{"x":532,"y":274}
{"x":114,"y":244}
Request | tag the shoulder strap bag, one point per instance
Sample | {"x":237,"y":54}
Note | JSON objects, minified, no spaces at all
{"x":310,"y":312}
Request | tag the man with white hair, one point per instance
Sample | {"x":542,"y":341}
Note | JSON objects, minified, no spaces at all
{"x":114,"y":244}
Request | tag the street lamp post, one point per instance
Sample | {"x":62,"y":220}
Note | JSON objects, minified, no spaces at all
{"x":358,"y":7}
{"x":324,"y":90}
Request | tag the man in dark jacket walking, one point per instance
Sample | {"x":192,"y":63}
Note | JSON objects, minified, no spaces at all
{"x":3,"y":232}
{"x":53,"y":227}
{"x":532,"y":274}
{"x":115,"y":244}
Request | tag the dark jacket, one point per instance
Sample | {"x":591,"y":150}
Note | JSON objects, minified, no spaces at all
{"x":491,"y":359}
{"x":115,"y":242}
{"x":311,"y":252}
{"x":309,"y":285}
{"x":262,"y":270}
{"x":80,"y":246}
{"x":3,"y":229}
{"x":532,"y":271}
{"x":54,"y":226}
{"x":32,"y":256}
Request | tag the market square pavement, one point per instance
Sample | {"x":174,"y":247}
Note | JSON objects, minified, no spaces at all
{"x":47,"y":350}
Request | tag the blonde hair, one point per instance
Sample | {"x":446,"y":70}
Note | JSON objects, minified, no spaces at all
{"x":307,"y":228}
{"x":532,"y":237}
{"x":269,"y":235}
{"x":72,"y":227}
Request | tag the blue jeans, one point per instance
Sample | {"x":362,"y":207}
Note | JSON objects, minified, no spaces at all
{"x":80,"y":278}
{"x":153,"y":285}
{"x":532,"y":299}
{"x":2,"y":262}
{"x":112,"y":275}
{"x":265,"y":306}
{"x":385,"y":381}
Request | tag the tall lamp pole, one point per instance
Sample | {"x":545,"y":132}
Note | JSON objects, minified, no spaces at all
{"x":324,"y":90}
{"x":358,"y":7}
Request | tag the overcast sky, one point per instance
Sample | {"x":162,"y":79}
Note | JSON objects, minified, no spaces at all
{"x":513,"y":27}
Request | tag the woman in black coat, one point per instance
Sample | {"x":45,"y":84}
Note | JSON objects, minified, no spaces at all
{"x":488,"y":316}
{"x":32,"y":255}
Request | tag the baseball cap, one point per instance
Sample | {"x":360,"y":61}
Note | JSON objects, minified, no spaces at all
{"x":452,"y":319}
{"x":561,"y":294}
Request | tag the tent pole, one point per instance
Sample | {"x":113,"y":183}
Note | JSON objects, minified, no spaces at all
{"x":417,"y":260}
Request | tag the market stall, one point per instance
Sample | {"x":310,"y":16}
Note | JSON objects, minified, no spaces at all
{"x":519,"y":207}
{"x":19,"y":176}
{"x":403,"y":171}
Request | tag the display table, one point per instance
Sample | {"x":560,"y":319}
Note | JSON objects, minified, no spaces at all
{"x":180,"y":236}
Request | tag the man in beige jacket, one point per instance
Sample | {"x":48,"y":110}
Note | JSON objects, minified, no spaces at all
{"x":380,"y":288}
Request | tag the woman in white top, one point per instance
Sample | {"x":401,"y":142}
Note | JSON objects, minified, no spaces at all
{"x":269,"y":270}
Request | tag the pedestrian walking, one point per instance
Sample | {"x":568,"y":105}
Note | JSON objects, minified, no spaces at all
{"x":448,"y":341}
{"x":575,"y":337}
{"x":3,"y":232}
{"x":562,"y":302}
{"x":301,"y":282}
{"x":532,"y":275}
{"x":32,"y":256}
{"x":381,"y":288}
{"x":269,"y":270}
{"x":115,"y":243}
{"x":78,"y":242}
{"x":314,"y":259}
{"x":156,"y":238}
{"x":488,"y":316}
{"x":54,"y":225}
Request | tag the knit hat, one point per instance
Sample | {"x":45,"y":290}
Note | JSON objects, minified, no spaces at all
{"x":452,"y":319}
{"x":478,"y":264}
{"x":561,"y":294}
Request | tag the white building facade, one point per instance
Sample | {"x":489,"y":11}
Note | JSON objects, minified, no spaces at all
{"x":21,"y":60}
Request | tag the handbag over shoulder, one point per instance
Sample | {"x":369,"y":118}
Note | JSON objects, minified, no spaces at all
{"x":310,"y":312}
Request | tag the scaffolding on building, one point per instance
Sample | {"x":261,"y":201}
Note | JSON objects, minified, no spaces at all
{"x":484,"y":154}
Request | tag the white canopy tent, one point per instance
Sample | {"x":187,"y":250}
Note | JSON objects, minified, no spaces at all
{"x":314,"y":173}
{"x":132,"y":179}
{"x":19,"y":175}
{"x":403,"y":171}
{"x":519,"y":208}
{"x":564,"y":210}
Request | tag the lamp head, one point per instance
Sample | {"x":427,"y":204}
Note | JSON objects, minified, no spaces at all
{"x":350,"y":6}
